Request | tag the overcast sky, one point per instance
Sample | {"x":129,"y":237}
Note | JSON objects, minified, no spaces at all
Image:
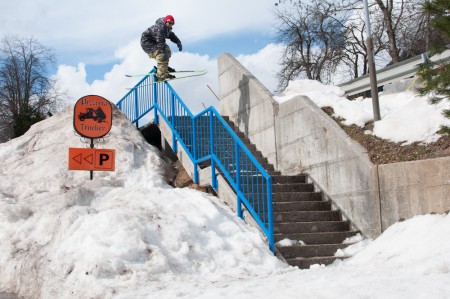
{"x":91,"y":31}
{"x":97,"y":42}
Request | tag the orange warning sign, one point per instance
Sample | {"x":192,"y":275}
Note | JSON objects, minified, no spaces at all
{"x":91,"y":159}
{"x":92,"y":116}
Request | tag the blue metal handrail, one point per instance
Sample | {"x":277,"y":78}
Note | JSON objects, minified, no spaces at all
{"x":207,"y":137}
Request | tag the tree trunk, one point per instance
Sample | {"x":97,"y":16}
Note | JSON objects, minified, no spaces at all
{"x":387,"y":13}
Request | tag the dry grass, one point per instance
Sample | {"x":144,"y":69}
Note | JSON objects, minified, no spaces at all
{"x":381,"y":151}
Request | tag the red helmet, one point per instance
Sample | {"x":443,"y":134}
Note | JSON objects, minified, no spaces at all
{"x":169,"y":18}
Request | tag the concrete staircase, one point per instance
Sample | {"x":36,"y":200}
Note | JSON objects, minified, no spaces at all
{"x":301,"y":214}
{"x":314,"y":230}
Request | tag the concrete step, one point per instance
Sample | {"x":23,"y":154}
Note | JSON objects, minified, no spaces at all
{"x":311,"y":227}
{"x":317,"y":238}
{"x":244,"y":159}
{"x":301,"y":206}
{"x":281,"y":188}
{"x":246,"y":165}
{"x":240,"y":134}
{"x":306,"y":263}
{"x":296,"y":196}
{"x":306,"y":251}
{"x":245,"y":162}
{"x":269,"y":172}
{"x":230,"y":163}
{"x":297,"y":187}
{"x":307,"y":216}
{"x":288,"y":179}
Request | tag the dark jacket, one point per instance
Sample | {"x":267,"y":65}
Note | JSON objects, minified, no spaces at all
{"x":154,"y":38}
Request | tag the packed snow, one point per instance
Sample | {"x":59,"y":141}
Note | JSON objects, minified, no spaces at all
{"x":129,"y":234}
{"x":405,"y":116}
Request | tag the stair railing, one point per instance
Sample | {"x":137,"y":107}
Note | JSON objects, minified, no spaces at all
{"x":207,"y":137}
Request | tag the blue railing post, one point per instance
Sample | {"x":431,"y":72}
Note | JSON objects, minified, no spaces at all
{"x":194,"y":149}
{"x":174,"y":124}
{"x":238,"y":182}
{"x":155,"y":99}
{"x":136,"y":108}
{"x":270,"y":212}
{"x":214,"y":183}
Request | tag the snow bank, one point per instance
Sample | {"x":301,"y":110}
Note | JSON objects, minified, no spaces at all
{"x":64,"y":236}
{"x":405,"y":117}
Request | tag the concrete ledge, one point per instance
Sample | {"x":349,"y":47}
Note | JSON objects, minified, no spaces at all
{"x":412,"y":188}
{"x":249,"y":104}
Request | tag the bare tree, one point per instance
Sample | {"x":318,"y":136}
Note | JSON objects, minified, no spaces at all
{"x":387,"y":8}
{"x":356,"y":59}
{"x":405,"y":24}
{"x":399,"y":27}
{"x":27,"y":93}
{"x":314,"y":39}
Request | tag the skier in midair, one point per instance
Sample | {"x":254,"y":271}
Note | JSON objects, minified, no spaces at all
{"x":153,"y":42}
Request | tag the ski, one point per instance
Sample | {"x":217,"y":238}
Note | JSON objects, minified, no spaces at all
{"x":175,"y":72}
{"x":162,"y":81}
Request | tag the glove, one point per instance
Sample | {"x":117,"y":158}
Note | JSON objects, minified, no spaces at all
{"x":180,"y":46}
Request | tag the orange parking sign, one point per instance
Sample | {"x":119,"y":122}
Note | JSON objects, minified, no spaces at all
{"x":91,"y":159}
{"x":92,"y":116}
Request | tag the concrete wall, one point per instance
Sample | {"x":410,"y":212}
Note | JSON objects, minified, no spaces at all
{"x":308,"y":141}
{"x":298,"y":137}
{"x":413,"y":188}
{"x":166,"y":147}
{"x":249,"y":105}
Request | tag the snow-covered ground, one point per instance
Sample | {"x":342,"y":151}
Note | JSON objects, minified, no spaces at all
{"x":128,"y":234}
{"x":405,"y":117}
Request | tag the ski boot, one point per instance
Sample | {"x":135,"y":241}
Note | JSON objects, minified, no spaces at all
{"x":171,"y":70}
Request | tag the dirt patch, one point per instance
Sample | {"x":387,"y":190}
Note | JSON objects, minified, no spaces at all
{"x":382,"y":151}
{"x":183,"y":180}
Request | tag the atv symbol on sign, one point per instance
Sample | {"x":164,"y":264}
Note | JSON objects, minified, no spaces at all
{"x":97,"y":115}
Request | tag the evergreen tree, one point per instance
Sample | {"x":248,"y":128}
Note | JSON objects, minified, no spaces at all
{"x":435,"y":76}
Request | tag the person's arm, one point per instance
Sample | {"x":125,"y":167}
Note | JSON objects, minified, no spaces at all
{"x":173,"y":38}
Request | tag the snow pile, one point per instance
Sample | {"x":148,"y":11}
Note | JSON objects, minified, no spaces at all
{"x":128,"y":234}
{"x":64,"y":236}
{"x":410,"y":260}
{"x":405,"y":117}
{"x":419,"y":245}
